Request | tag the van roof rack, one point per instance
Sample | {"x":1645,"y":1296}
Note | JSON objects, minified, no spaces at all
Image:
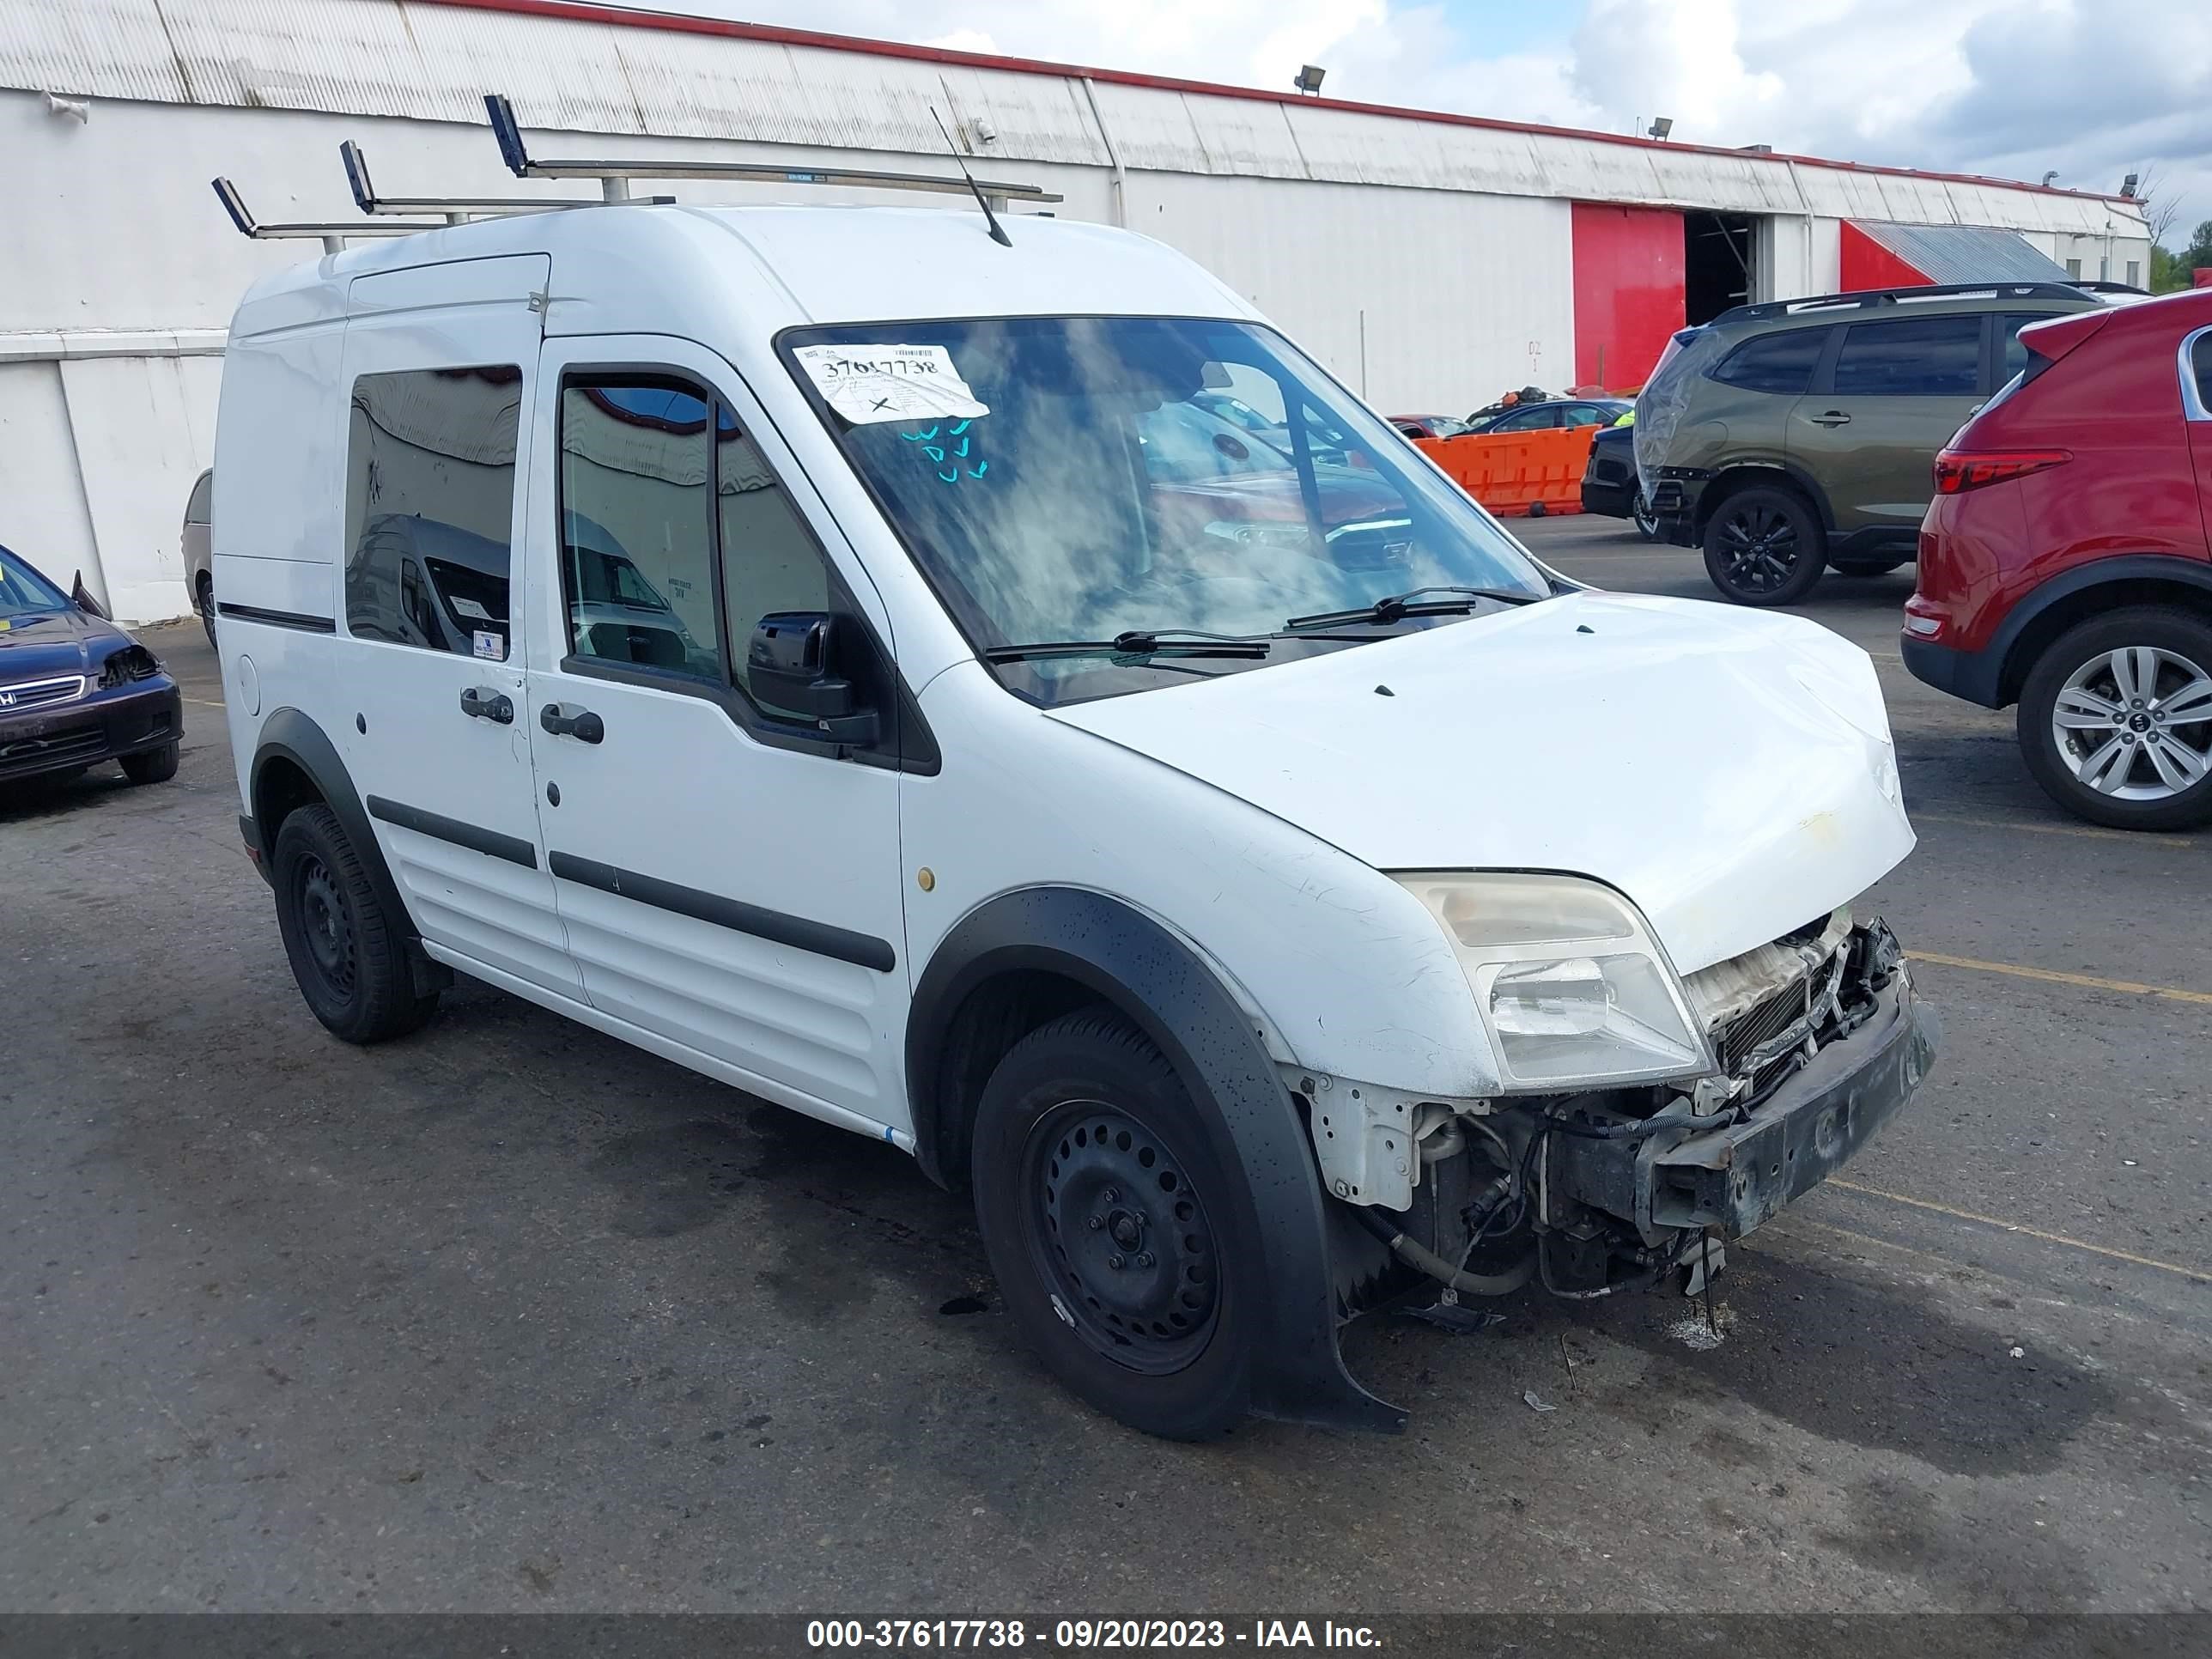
{"x":614,"y":175}
{"x":1868,"y":298}
{"x":457,"y":210}
{"x":331,"y":236}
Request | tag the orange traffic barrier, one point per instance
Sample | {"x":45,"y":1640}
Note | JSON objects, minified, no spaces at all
{"x":1518,"y":473}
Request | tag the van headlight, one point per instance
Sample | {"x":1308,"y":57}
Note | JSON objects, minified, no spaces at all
{"x":1573,"y":987}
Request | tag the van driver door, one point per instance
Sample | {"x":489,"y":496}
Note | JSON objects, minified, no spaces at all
{"x":729,"y":880}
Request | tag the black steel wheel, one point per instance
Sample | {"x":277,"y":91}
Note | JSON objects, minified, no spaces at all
{"x":204,"y":602}
{"x":1108,"y":1220}
{"x":1763,"y":546}
{"x":348,"y":956}
{"x":1123,"y":1238}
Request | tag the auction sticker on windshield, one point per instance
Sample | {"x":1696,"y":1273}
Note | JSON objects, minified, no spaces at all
{"x":871,"y":384}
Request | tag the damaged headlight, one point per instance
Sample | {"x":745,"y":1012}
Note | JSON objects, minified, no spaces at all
{"x":1575,"y":990}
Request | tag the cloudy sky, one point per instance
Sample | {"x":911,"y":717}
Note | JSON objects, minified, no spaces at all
{"x":2094,"y":89}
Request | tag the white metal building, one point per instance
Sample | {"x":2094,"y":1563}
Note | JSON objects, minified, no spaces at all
{"x":1430,"y":260}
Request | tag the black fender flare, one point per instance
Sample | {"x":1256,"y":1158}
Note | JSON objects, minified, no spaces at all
{"x":1786,"y":473}
{"x":2173,"y":568}
{"x":1132,"y":963}
{"x":289,"y":734}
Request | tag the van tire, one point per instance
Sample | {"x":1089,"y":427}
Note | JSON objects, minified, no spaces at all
{"x":2180,"y":637}
{"x":1764,"y":545}
{"x":348,"y":957}
{"x":1071,"y":1218}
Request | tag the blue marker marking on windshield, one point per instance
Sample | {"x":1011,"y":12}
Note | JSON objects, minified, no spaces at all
{"x":938,"y":453}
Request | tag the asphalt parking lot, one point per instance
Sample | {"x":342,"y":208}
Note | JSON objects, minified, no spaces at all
{"x":510,"y":1316}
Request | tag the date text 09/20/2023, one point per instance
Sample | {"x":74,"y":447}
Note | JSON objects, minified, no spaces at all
{"x":1086,"y":1633}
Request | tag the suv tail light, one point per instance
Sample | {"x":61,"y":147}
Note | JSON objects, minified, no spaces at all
{"x":1958,"y":471}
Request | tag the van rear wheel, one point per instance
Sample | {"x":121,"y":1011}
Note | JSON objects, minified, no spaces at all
{"x":1110,"y":1225}
{"x":1764,"y":546}
{"x":348,"y":956}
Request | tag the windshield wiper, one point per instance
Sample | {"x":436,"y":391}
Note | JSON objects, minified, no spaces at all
{"x":1181,"y":641}
{"x":1396,"y":607}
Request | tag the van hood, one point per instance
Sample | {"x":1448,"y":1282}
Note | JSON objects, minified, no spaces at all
{"x":1729,"y":770}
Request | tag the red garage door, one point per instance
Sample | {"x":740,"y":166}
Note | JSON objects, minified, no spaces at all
{"x":1628,"y":291}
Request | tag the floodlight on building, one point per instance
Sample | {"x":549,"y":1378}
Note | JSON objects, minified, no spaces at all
{"x":2128,"y":186}
{"x":1309,"y":79}
{"x":1660,"y":126}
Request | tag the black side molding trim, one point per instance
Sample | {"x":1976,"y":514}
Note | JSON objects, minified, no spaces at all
{"x":277,"y":618}
{"x":862,"y":949}
{"x":476,"y":839}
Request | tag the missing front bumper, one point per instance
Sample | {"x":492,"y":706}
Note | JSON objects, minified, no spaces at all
{"x":1736,"y":1178}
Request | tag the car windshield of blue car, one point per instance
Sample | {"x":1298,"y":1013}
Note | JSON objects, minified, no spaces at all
{"x":1097,"y":480}
{"x":24,"y":591}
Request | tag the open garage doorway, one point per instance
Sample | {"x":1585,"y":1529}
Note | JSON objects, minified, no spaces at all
{"x":1719,"y":265}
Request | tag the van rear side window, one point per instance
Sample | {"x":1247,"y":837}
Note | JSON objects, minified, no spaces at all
{"x":430,"y":507}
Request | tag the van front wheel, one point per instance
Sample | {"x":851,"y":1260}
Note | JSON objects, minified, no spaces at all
{"x":1109,"y":1224}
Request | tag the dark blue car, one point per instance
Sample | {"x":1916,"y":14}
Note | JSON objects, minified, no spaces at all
{"x":75,"y":688}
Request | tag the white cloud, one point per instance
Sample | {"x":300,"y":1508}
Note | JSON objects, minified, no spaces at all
{"x":2095,"y":89}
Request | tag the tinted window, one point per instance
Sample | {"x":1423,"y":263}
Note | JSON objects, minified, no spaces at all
{"x":672,"y":522}
{"x":1529,"y":420}
{"x":2201,"y":361}
{"x":1918,"y":357}
{"x":196,"y":507}
{"x":637,"y":524}
{"x":429,"y":506}
{"x":769,"y":559}
{"x":1774,"y":362}
{"x":2009,"y":327}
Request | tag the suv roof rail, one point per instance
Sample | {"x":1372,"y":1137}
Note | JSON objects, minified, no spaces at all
{"x":2099,"y":285}
{"x":331,"y":236}
{"x":614,"y":175}
{"x":1871,"y":298}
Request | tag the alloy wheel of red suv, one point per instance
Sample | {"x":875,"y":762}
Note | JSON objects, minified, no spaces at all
{"x":2115,"y":720}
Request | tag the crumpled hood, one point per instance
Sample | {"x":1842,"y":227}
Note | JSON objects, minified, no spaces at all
{"x":1729,"y":770}
{"x":41,"y":642}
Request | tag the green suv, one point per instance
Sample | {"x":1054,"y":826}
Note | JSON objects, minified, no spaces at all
{"x":1798,"y":435}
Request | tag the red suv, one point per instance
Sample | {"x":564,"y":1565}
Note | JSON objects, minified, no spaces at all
{"x":2064,"y":564}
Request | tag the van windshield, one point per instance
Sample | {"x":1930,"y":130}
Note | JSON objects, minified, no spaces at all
{"x":1086,"y":479}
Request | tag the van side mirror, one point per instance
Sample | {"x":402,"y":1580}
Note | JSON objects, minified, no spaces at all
{"x":795,"y":662}
{"x":81,"y":597}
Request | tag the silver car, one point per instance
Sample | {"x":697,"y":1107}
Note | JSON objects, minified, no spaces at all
{"x":200,"y":562}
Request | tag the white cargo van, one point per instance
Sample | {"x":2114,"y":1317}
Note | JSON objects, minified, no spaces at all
{"x":844,"y":654}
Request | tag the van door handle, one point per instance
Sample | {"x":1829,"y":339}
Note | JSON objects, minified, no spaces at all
{"x":481,"y":703}
{"x":1833,"y":417}
{"x":583,"y":725}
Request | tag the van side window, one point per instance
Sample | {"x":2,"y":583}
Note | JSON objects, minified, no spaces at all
{"x":430,"y":507}
{"x":677,"y":538}
{"x":1774,"y":362}
{"x":637,"y":524}
{"x":769,"y":559}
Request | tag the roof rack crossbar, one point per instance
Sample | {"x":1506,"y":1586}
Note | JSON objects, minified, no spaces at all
{"x":1864,"y":299}
{"x":456,"y":209}
{"x":615,"y":174}
{"x":331,"y":236}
